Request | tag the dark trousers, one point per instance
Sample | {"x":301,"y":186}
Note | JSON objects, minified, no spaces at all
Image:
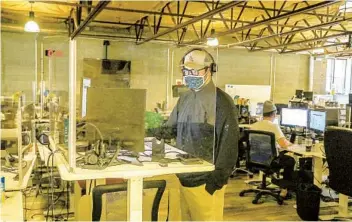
{"x":287,"y":163}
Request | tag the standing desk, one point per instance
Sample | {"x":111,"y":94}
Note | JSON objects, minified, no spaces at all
{"x":12,"y":207}
{"x":14,"y":185}
{"x":134,"y":175}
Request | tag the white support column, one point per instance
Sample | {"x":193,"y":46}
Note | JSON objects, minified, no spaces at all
{"x":311,"y":74}
{"x":168,"y":85}
{"x":50,"y":66}
{"x":135,"y":199}
{"x":42,"y":85}
{"x":272,"y":75}
{"x":35,"y":84}
{"x":19,"y":140}
{"x":72,"y":104}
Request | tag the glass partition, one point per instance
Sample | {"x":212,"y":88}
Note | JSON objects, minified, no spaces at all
{"x":55,"y":82}
{"x":18,"y":103}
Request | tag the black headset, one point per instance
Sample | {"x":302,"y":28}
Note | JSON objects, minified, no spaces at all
{"x":213,"y":67}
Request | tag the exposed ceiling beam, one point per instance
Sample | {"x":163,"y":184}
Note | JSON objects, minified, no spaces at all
{"x":6,"y":13}
{"x":301,"y":42}
{"x":333,"y":53}
{"x":119,"y":37}
{"x":291,"y":32}
{"x":320,"y":47}
{"x":194,"y":20}
{"x":145,"y":12}
{"x":269,"y":20}
{"x":97,"y":9}
{"x":159,"y":13}
{"x":272,"y":9}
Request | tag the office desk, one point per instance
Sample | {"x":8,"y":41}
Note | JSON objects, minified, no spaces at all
{"x":248,"y":126}
{"x":318,"y":156}
{"x":11,"y":183}
{"x":44,"y":154}
{"x":134,"y":175}
{"x":12,"y":207}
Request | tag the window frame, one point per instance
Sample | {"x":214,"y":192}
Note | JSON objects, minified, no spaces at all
{"x":344,"y":90}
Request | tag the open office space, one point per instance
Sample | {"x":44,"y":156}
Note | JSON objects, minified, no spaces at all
{"x":176,"y":110}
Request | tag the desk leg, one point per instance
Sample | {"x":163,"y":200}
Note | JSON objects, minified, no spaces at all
{"x":318,"y":171}
{"x":134,"y":199}
{"x":103,"y":212}
{"x":343,"y":205}
{"x":77,"y":198}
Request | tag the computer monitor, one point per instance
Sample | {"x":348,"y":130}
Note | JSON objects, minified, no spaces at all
{"x":294,"y":117}
{"x":308,"y":95}
{"x":279,"y":107}
{"x":299,"y":93}
{"x":317,"y":120}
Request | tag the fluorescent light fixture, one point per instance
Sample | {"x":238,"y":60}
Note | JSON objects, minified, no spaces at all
{"x":347,"y":7}
{"x":212,"y":41}
{"x":318,"y":51}
{"x":31,"y":25}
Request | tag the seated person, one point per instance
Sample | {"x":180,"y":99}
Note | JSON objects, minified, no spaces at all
{"x":268,"y":125}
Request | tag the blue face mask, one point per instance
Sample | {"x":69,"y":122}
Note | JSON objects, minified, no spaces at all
{"x":194,"y":82}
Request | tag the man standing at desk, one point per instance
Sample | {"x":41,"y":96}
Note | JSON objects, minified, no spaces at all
{"x":205,"y":123}
{"x":268,"y":125}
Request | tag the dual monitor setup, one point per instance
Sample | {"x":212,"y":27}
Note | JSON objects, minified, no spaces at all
{"x":315,"y":120}
{"x":307,"y":95}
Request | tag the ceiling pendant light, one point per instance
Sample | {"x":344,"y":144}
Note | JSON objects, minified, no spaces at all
{"x":31,"y":25}
{"x":212,"y":40}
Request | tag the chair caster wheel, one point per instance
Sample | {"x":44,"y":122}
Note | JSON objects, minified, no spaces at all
{"x":280,"y":202}
{"x":255,"y":201}
{"x":241,"y":194}
{"x":251,"y":176}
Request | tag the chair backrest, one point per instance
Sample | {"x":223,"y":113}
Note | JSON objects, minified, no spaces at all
{"x":98,"y":192}
{"x":261,"y":149}
{"x":338,"y":150}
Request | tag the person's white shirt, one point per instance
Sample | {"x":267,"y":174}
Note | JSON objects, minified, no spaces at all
{"x":269,"y":126}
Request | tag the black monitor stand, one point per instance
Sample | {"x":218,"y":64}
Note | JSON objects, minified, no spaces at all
{"x":293,"y":137}
{"x":318,"y":136}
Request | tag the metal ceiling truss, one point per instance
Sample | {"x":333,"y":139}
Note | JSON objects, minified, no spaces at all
{"x":275,"y":10}
{"x":316,"y":47}
{"x":277,"y":30}
{"x":269,"y":20}
{"x":90,"y":17}
{"x":303,"y":42}
{"x":335,"y":53}
{"x":209,"y":14}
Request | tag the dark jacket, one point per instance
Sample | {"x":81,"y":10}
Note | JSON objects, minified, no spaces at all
{"x":205,"y":124}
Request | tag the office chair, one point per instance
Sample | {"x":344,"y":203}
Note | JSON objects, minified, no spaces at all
{"x":338,"y":151}
{"x":242,"y":150}
{"x":98,"y":192}
{"x":261,"y":152}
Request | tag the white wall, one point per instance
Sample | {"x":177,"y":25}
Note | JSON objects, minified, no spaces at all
{"x":151,"y":65}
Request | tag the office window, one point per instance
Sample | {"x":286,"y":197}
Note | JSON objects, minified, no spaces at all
{"x":337,"y":72}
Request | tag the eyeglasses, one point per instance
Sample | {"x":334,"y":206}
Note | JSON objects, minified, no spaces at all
{"x":192,"y":72}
